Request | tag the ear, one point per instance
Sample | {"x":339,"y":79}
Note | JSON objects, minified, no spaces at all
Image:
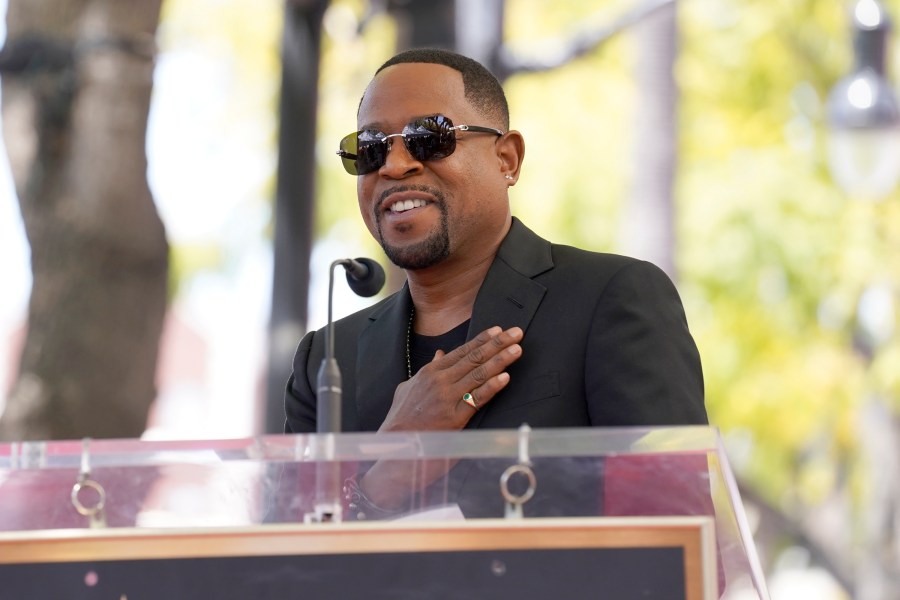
{"x":510,"y":153}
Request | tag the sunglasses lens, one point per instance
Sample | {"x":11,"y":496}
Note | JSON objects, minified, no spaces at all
{"x":371,"y":156}
{"x":348,"y":152}
{"x":362,"y":152}
{"x":430,"y":138}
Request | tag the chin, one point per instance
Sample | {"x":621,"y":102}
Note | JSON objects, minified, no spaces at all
{"x":421,"y":255}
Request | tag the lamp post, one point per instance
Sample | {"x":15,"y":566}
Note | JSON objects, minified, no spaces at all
{"x":863,"y":115}
{"x":864,"y":159}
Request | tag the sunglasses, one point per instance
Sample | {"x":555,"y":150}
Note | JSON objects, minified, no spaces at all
{"x":427,"y":138}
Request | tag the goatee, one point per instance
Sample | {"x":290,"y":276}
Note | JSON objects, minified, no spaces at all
{"x":430,"y":251}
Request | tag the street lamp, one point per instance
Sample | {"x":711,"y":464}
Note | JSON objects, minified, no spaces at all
{"x":863,"y":116}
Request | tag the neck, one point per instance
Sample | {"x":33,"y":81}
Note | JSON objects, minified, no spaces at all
{"x":444,"y":297}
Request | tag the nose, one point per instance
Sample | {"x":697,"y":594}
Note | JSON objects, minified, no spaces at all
{"x":398,"y":162}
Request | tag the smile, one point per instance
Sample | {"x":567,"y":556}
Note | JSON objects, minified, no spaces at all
{"x":395,"y":201}
{"x":405,"y":205}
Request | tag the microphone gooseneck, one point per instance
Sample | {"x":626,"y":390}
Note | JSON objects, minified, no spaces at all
{"x":366,"y":278}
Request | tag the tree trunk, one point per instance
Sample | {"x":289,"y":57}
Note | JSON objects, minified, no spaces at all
{"x":424,"y":23}
{"x":878,"y":563}
{"x":648,"y":229}
{"x":77,"y":77}
{"x":294,"y":197}
{"x":479,"y":32}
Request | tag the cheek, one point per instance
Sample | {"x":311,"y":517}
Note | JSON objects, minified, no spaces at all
{"x":482,"y":193}
{"x":363,"y":193}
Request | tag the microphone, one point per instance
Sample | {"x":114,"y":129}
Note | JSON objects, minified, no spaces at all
{"x":366,"y":278}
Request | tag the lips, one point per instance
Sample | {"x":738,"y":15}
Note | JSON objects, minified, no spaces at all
{"x":398,"y":201}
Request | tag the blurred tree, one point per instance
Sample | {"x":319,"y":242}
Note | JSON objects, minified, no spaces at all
{"x":77,"y":76}
{"x":294,"y":196}
{"x":648,"y":221}
{"x":779,"y":266}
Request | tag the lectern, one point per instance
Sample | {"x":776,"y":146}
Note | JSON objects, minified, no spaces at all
{"x":624,"y":513}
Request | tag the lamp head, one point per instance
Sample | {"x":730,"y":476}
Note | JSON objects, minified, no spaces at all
{"x":862,"y":111}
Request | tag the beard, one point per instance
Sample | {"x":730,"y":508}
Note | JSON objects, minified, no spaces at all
{"x":430,"y":251}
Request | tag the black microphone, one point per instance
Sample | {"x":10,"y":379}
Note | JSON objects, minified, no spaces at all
{"x":366,"y":278}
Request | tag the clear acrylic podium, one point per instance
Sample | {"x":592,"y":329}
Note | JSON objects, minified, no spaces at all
{"x":519,"y":514}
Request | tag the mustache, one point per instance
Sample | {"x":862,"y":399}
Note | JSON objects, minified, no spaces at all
{"x":432,"y":191}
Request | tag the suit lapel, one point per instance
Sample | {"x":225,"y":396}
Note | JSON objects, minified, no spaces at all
{"x":381,"y":360}
{"x":509,"y":296}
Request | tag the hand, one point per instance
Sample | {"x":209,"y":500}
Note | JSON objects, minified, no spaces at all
{"x":433,"y":398}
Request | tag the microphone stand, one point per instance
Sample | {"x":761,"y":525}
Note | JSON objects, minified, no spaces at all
{"x":328,"y":385}
{"x":366,"y":278}
{"x":328,"y":506}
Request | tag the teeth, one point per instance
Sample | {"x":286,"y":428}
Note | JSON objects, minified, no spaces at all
{"x":404,"y":205}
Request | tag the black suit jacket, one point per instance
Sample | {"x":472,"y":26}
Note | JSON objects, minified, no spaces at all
{"x":606,"y":344}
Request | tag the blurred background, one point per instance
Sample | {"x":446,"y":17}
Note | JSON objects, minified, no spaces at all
{"x":170,"y":202}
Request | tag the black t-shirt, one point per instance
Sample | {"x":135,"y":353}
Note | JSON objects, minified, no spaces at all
{"x":423,"y":347}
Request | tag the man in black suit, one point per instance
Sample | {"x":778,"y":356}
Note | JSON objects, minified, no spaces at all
{"x":495,"y":327}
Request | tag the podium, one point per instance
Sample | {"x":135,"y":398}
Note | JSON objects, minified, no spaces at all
{"x":618,"y":513}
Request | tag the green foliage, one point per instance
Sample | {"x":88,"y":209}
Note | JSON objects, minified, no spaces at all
{"x":185,"y":260}
{"x":774,"y":259}
{"x":576,"y":120}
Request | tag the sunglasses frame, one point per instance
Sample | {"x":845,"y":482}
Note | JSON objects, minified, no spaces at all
{"x":410,"y":132}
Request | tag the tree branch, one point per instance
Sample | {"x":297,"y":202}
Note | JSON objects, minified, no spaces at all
{"x":790,"y":527}
{"x":510,"y":61}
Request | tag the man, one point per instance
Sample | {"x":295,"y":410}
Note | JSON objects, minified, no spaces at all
{"x":495,"y":327}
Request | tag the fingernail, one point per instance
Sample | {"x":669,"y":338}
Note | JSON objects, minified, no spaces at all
{"x":515,"y":349}
{"x":495,"y":330}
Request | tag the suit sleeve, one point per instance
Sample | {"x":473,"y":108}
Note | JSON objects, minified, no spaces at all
{"x":642,"y":365}
{"x":299,"y":398}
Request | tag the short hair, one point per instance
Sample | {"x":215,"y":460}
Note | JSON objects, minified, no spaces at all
{"x":480,"y":86}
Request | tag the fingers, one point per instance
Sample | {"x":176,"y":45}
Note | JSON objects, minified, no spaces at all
{"x":479,"y":366}
{"x":481,"y":356}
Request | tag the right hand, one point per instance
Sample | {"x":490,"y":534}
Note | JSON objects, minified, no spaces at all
{"x":433,"y":398}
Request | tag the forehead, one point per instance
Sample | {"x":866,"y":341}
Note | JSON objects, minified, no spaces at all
{"x":403,"y":92}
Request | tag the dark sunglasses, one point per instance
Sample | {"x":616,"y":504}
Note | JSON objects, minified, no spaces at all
{"x":428,"y":138}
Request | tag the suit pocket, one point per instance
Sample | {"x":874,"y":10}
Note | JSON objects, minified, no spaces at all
{"x":533,"y":390}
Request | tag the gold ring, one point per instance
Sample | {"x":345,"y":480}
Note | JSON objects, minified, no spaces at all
{"x":469,"y":398}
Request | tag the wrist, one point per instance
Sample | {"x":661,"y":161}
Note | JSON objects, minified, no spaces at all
{"x":361,"y":506}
